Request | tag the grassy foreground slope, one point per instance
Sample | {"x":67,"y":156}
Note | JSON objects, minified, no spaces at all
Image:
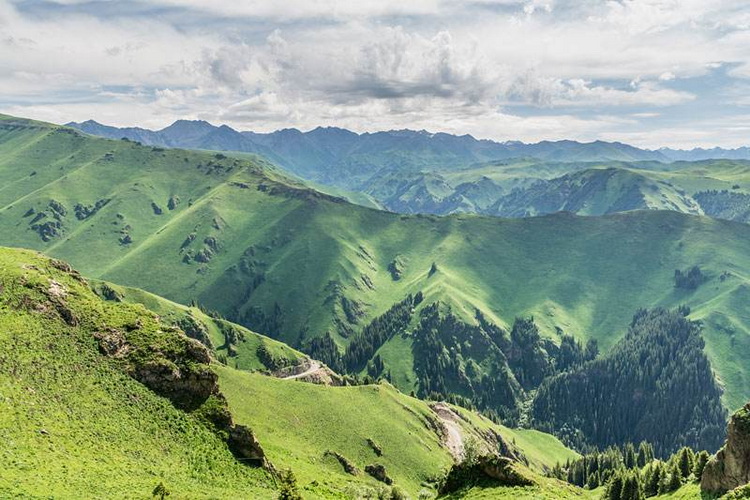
{"x":300,"y":423}
{"x":72,"y":423}
{"x":75,"y":424}
{"x":292,"y":263}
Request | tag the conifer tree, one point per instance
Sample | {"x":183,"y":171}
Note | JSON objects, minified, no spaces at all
{"x":701,"y":459}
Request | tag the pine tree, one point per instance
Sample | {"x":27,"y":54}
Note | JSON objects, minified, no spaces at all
{"x":631,"y":487}
{"x":629,"y":456}
{"x":701,"y":459}
{"x":645,"y":454}
{"x":654,"y":479}
{"x":593,"y":482}
{"x":675,"y":479}
{"x":614,"y":488}
{"x":685,"y":462}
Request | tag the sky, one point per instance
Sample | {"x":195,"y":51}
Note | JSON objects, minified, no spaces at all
{"x":650,"y":73}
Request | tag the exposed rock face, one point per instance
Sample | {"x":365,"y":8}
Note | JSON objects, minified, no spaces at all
{"x":245,"y":446}
{"x":184,"y":376}
{"x":195,"y":329}
{"x":730,"y":467}
{"x":378,"y":472}
{"x":111,"y":342}
{"x":186,"y":388}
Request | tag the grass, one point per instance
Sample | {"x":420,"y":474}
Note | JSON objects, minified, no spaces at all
{"x":297,"y":423}
{"x":281,"y":243}
{"x":73,"y":424}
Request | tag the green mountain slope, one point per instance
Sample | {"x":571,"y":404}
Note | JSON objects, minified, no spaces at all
{"x":290,"y":262}
{"x":595,"y":192}
{"x":76,"y":422}
{"x":72,"y":422}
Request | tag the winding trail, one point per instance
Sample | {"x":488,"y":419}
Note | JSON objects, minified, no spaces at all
{"x":454,"y":439}
{"x":314,"y":367}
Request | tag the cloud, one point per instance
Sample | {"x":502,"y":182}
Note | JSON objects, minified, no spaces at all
{"x":493,"y":68}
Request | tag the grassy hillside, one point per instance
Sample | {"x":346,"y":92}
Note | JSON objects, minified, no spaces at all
{"x":287,"y":261}
{"x":306,"y":421}
{"x":72,"y":422}
{"x":595,"y":192}
{"x":75,"y":424}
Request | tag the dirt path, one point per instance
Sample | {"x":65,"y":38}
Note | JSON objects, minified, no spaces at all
{"x":454,"y":440}
{"x":315,"y":366}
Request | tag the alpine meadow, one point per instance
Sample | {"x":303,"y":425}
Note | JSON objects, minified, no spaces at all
{"x":492,"y":249}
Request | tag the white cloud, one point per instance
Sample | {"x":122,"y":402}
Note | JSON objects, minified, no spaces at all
{"x":376,"y":64}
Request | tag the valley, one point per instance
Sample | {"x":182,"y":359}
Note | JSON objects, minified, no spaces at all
{"x":507,"y":316}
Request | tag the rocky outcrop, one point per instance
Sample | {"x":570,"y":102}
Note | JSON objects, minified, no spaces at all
{"x":187,"y":387}
{"x":180,"y":371}
{"x":499,"y":471}
{"x":730,"y":467}
{"x":243,"y":444}
{"x":349,"y":467}
{"x":378,"y":472}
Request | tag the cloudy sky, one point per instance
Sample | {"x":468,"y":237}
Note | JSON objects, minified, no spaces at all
{"x":648,"y":72}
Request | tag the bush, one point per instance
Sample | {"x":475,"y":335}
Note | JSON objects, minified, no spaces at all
{"x":161,"y":491}
{"x":288,"y":486}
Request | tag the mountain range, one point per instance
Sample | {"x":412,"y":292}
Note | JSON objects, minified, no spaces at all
{"x":624,"y":324}
{"x":418,"y":172}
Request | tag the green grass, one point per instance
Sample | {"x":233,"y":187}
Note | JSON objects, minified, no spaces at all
{"x":297,"y":423}
{"x":689,"y":491}
{"x":586,"y":275}
{"x":73,"y":425}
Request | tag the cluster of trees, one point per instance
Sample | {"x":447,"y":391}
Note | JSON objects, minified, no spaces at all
{"x":656,"y":384}
{"x":364,"y":345}
{"x":259,"y":321}
{"x":596,"y":468}
{"x":725,"y":204}
{"x":631,"y":474}
{"x":324,"y":349}
{"x":690,"y":279}
{"x":489,"y":366}
{"x":453,"y":357}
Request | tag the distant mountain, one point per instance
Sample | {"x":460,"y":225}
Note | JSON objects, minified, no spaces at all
{"x":698,"y":154}
{"x":595,"y":192}
{"x":345,"y":159}
{"x":409,"y":171}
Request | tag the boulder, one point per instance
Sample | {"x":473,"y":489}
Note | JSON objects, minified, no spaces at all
{"x":489,"y":469}
{"x":378,"y":472}
{"x":730,"y":467}
{"x":244,"y":445}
